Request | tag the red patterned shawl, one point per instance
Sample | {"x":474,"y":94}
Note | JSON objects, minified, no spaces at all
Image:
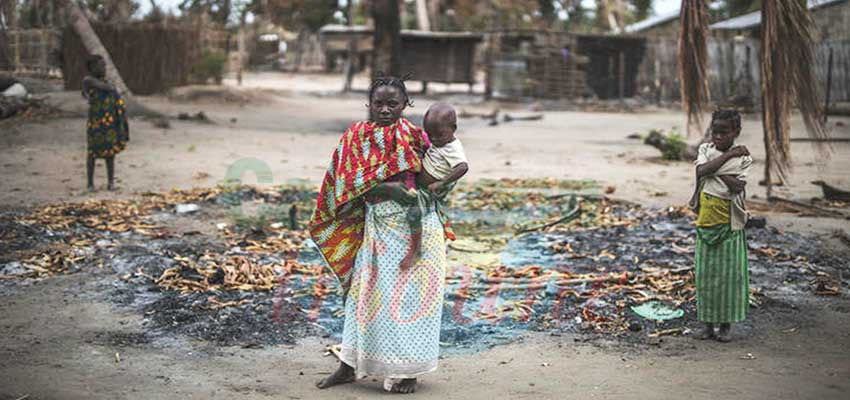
{"x":367,"y":155}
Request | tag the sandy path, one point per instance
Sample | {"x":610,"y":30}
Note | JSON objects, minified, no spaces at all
{"x":55,"y":344}
{"x":295,"y":133}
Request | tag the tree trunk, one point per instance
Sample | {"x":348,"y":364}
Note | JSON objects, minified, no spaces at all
{"x":299,"y":49}
{"x":10,"y":16}
{"x":352,"y":51}
{"x":386,"y":55}
{"x":434,"y":15}
{"x":422,"y":20}
{"x":240,"y":46}
{"x":93,"y":45}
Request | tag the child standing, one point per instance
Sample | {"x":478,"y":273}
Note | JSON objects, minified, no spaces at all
{"x":722,"y":269}
{"x":107,"y":131}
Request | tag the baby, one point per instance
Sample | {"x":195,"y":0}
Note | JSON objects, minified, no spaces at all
{"x":445,"y":161}
{"x":442,"y":165}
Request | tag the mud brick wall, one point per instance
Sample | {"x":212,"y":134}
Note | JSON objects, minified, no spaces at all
{"x":833,"y":21}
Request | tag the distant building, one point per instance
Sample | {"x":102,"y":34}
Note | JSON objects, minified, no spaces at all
{"x":664,"y":25}
{"x":734,"y":46}
{"x":832,"y":19}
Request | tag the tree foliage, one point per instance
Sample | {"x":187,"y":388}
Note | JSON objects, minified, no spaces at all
{"x":297,"y":15}
{"x":218,"y":10}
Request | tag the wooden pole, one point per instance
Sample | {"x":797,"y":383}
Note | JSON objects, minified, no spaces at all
{"x":43,"y":65}
{"x":386,"y":51}
{"x":622,"y":77}
{"x":767,"y":162}
{"x":17,"y":51}
{"x":352,"y":49}
{"x":828,"y":86}
{"x":240,"y":44}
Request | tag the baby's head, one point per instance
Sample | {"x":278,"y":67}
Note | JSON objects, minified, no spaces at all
{"x":440,"y":124}
{"x":725,"y":128}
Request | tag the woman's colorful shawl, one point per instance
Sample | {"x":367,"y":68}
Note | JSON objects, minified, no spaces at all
{"x":367,"y":155}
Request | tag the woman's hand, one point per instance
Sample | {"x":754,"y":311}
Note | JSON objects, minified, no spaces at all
{"x":397,"y":192}
{"x":436,"y":187}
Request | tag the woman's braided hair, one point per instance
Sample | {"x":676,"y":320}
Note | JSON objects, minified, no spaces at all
{"x":392,"y":81}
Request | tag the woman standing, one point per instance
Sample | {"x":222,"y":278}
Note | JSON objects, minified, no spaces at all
{"x":365,"y":231}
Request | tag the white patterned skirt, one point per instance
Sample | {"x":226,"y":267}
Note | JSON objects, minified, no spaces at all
{"x":392,"y":316}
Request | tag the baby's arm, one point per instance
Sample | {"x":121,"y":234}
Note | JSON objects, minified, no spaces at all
{"x":424,"y":179}
{"x":458,"y":171}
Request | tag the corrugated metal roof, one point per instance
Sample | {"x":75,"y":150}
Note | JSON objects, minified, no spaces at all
{"x":337,"y":28}
{"x":364,"y":30}
{"x":651,"y":22}
{"x":753,"y":19}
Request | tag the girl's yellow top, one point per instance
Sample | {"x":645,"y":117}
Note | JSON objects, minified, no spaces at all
{"x":713,"y":211}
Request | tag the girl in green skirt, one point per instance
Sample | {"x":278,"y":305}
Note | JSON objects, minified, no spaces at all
{"x":722,"y":270}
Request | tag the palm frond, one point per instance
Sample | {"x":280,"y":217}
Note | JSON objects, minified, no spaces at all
{"x":788,"y":78}
{"x":693,"y":60}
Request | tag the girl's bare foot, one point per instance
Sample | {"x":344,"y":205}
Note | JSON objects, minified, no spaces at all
{"x":724,"y":335}
{"x":707,"y":332}
{"x":343,"y":374}
{"x":405,"y":386}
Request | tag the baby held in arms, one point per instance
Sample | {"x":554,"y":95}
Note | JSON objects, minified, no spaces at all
{"x":445,"y":161}
{"x":443,"y":164}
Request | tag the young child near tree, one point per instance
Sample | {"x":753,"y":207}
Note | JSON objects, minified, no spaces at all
{"x":722,"y":269}
{"x":107,"y":131}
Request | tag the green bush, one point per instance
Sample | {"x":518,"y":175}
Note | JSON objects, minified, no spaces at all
{"x":672,"y":145}
{"x":211,"y":66}
{"x":676,"y":148}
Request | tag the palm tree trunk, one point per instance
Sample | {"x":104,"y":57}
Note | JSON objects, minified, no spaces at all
{"x":92,"y":43}
{"x":80,"y":23}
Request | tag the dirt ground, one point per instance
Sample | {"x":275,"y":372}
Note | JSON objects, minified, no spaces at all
{"x":58,"y":340}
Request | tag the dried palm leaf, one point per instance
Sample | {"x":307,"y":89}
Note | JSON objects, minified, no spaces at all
{"x":788,"y":77}
{"x":693,"y":59}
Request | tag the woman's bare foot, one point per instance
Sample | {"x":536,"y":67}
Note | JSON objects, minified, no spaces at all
{"x":343,"y":374}
{"x":405,"y":386}
{"x":724,"y":334}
